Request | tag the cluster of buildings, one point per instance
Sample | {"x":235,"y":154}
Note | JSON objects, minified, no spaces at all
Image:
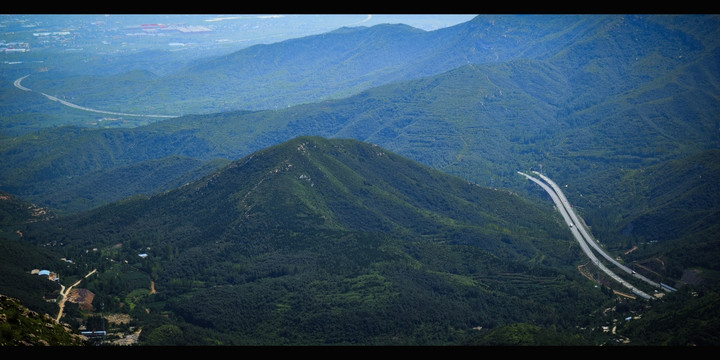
{"x":51,"y":275}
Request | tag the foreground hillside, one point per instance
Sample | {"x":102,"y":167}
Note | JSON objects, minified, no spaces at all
{"x":319,"y":241}
{"x":21,"y":326}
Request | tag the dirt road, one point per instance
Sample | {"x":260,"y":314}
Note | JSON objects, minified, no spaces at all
{"x":64,"y":292}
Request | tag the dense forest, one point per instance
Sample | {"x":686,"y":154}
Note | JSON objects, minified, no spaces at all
{"x":370,"y":196}
{"x":318,"y":241}
{"x":259,"y":252}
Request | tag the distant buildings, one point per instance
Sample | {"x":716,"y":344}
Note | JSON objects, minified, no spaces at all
{"x":154,"y":29}
{"x":54,"y":33}
{"x":14,"y":46}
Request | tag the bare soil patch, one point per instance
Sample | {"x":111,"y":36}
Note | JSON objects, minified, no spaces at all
{"x":82,"y":297}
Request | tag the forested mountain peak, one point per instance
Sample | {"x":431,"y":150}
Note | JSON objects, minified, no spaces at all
{"x":318,"y":184}
{"x":334,"y":223}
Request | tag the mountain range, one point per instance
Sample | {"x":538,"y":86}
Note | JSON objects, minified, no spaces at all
{"x":333,"y":144}
{"x":577,"y":117}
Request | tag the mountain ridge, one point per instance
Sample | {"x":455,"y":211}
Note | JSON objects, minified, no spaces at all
{"x":335,"y":176}
{"x":370,"y":53}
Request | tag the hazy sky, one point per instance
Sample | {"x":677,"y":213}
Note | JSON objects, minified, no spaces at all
{"x":246,"y":27}
{"x":50,"y":37}
{"x":97,"y":31}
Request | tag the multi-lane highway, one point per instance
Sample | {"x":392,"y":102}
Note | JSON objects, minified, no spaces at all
{"x":587,"y":235}
{"x":584,"y":238}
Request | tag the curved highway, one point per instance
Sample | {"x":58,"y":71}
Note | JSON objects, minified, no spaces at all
{"x":587,"y":235}
{"x":580,"y":233}
{"x":18,"y":85}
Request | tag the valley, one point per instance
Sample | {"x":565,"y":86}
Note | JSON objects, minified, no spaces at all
{"x":367,"y":184}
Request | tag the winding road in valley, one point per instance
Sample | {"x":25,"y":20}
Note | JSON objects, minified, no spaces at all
{"x":583,"y":237}
{"x":18,"y":84}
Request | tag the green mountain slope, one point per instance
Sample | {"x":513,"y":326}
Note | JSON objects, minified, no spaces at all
{"x":14,"y":210}
{"x":76,"y":169}
{"x":143,"y":178}
{"x":620,"y":109}
{"x":318,"y":241}
{"x":18,"y":258}
{"x":671,"y":213}
{"x":334,"y":190}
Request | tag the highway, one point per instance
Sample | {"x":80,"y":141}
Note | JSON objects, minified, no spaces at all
{"x":18,"y":84}
{"x":587,"y":235}
{"x":581,"y":235}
